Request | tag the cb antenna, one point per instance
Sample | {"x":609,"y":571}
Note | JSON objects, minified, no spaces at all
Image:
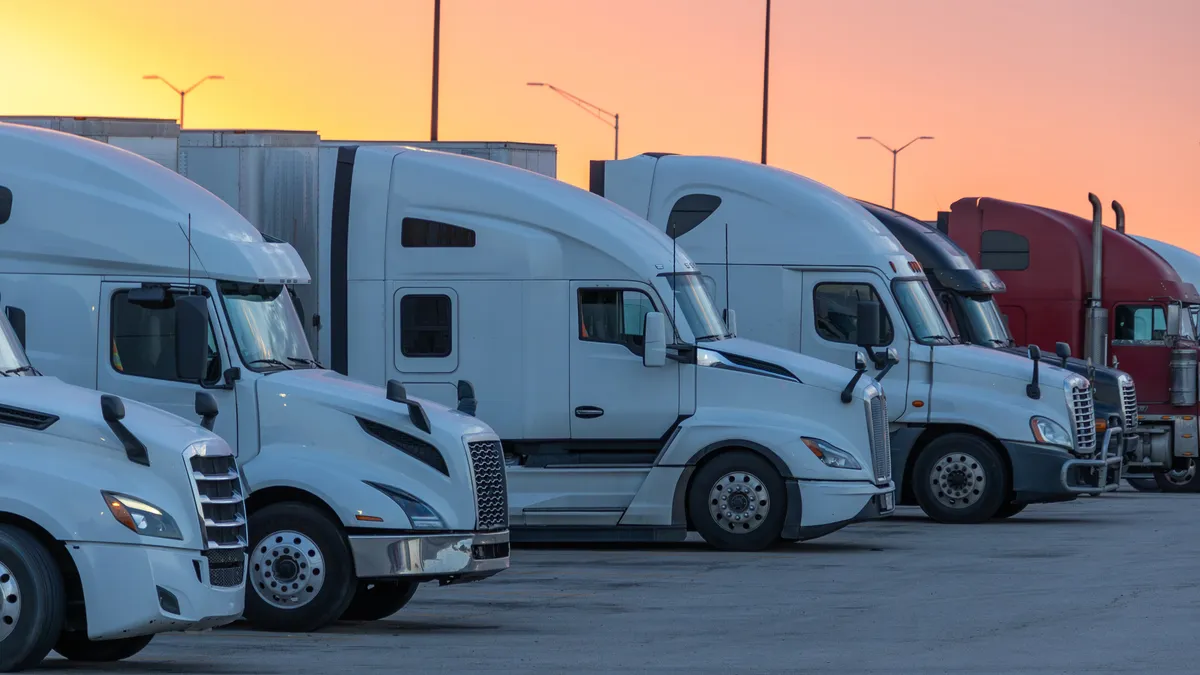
{"x":189,"y":253}
{"x":726,"y":270}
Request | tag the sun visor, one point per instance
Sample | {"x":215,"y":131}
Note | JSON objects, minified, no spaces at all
{"x":258,"y":262}
{"x":970,"y":281}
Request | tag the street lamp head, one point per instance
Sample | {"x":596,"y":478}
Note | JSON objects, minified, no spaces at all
{"x":216,"y":77}
{"x":926,"y":138}
{"x":866,"y":138}
{"x":535,"y":84}
{"x":151,"y":77}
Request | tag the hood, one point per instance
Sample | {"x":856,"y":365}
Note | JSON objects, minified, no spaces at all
{"x":352,"y":397}
{"x":807,"y":369}
{"x":1000,"y":363}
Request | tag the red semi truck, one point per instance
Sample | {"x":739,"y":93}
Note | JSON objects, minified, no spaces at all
{"x":1113,"y":300}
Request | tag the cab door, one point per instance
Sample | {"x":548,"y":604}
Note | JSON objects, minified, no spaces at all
{"x":136,"y":359}
{"x":829,"y":327}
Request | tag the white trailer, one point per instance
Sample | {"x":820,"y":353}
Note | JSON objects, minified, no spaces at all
{"x":536,"y":157}
{"x":118,"y":521}
{"x":976,"y":433}
{"x":155,"y":139}
{"x":357,"y":493}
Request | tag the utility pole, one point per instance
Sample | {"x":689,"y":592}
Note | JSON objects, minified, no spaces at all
{"x":766,"y":79}
{"x":437,"y":49}
{"x":182,"y":92}
{"x":895,"y":152}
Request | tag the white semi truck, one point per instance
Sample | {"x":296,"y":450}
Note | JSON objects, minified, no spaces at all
{"x":118,"y":521}
{"x":976,"y":433}
{"x":626,"y":408}
{"x":357,"y":493}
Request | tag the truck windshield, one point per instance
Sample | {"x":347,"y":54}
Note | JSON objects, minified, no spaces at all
{"x":696,"y":306}
{"x":985,"y":320}
{"x":921,"y":312}
{"x":12,"y":357}
{"x":266,"y":328}
{"x":1194,"y":312}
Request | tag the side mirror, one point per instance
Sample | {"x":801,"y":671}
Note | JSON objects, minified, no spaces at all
{"x":112,"y":408}
{"x":860,"y":362}
{"x":868,"y":323}
{"x":1033,"y":390}
{"x":731,"y":321}
{"x":893,"y":356}
{"x":191,"y":337}
{"x":206,"y":408}
{"x":1063,"y":350}
{"x":654,"y":328}
{"x":1173,"y":319}
{"x":466,"y":398}
{"x":16,"y":319}
{"x":1035,"y":353}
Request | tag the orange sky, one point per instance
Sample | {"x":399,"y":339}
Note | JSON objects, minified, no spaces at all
{"x":1032,"y":100}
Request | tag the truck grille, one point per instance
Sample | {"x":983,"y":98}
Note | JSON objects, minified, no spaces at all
{"x":881,"y":442}
{"x":1129,"y":404}
{"x":1084,"y":412}
{"x":219,"y":494}
{"x":491,"y":485}
{"x":226,"y":567}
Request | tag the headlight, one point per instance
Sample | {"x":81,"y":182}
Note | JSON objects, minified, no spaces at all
{"x":421,"y":515}
{"x":141,"y":517}
{"x":831,"y":456}
{"x":1050,"y":432}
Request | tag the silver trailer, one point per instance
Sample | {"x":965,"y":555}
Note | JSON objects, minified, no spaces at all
{"x":156,"y":139}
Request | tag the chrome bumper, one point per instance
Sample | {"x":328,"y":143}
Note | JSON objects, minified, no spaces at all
{"x":1098,"y":475}
{"x":449,"y":558}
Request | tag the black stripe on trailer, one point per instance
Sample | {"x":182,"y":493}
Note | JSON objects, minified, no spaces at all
{"x":596,"y":177}
{"x":339,"y":254}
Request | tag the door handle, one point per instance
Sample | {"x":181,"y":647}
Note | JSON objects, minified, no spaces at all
{"x":588,"y":412}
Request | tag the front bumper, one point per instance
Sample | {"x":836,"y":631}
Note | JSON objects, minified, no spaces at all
{"x":129,"y":590}
{"x":449,"y":558}
{"x":817,"y":508}
{"x":1043,"y":473}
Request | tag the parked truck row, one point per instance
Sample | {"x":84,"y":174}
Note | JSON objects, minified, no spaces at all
{"x":419,"y":355}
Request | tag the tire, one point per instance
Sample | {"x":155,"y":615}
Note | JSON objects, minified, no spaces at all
{"x":375,"y":600}
{"x":300,"y":544}
{"x":77,"y":647}
{"x":1009,"y":510}
{"x":33,"y":603}
{"x":747,"y":473}
{"x":1184,"y":479}
{"x":1143,"y":484}
{"x":947,"y":478}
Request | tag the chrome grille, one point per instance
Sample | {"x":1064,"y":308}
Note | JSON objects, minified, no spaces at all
{"x":226,"y":567}
{"x":491,"y":485}
{"x":1129,"y":404}
{"x":219,"y":495}
{"x":1084,"y":412}
{"x":881,"y":442}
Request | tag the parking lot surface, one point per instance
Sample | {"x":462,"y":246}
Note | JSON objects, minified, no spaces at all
{"x":1098,"y":585}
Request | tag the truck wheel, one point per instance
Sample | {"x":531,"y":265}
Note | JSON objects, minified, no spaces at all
{"x":301,"y":576}
{"x":1182,"y":478}
{"x":33,"y":600}
{"x":1143,"y":484}
{"x":1009,"y":510}
{"x":737,"y":502}
{"x":960,"y":478}
{"x":76,"y":646}
{"x":376,"y":600}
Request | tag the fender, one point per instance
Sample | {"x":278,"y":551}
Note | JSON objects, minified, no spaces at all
{"x":1007,"y":413}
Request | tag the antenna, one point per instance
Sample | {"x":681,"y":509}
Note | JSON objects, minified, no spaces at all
{"x":726,"y":268}
{"x":189,"y":253}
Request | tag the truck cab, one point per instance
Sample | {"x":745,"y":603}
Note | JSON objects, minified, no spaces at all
{"x":1111,"y":298}
{"x":627,"y":408}
{"x":967,"y":296}
{"x":357,"y":493}
{"x":976,"y":433}
{"x":117,"y":521}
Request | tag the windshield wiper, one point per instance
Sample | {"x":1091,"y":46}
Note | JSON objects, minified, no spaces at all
{"x":308,"y":362}
{"x":270,"y":362}
{"x":20,"y":369}
{"x":939,"y":337}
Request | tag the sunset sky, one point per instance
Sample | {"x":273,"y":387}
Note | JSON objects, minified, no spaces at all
{"x":1039,"y":101}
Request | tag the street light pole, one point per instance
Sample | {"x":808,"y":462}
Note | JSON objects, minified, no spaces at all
{"x":766,"y":79}
{"x":593,"y":110}
{"x":182,"y":92}
{"x":437,"y":44}
{"x":895,"y":152}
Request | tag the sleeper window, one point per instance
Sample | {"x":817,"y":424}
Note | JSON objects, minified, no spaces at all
{"x":1140,"y":323}
{"x":614,"y":315}
{"x":421,"y":233}
{"x":835,"y":307}
{"x":425,"y":326}
{"x":143,"y":342}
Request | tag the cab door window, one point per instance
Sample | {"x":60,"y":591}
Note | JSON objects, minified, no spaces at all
{"x":1139,"y":324}
{"x":835,"y":308}
{"x":613,"y":315}
{"x":143,"y":342}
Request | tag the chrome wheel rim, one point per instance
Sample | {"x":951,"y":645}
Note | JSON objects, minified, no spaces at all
{"x":739,"y":503}
{"x":958,"y":480}
{"x":1182,"y":476}
{"x":10,"y":602}
{"x":287,"y":569}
